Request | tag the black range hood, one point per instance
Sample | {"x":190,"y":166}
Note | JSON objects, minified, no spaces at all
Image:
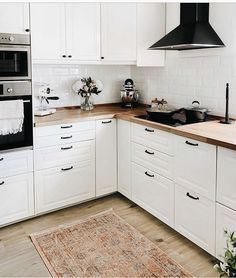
{"x":194,"y":31}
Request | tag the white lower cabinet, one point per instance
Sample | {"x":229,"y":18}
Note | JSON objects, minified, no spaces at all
{"x":16,"y":198}
{"x":124,"y":157}
{"x":195,"y":218}
{"x":62,"y":186}
{"x":225,"y":219}
{"x":154,"y":193}
{"x":106,"y":157}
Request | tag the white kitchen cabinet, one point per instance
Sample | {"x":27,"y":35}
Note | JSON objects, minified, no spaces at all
{"x":153,"y":138}
{"x":118,"y":32}
{"x":14,"y":18}
{"x":226,"y":177}
{"x":225,"y":219}
{"x":124,"y":157}
{"x":154,"y":193}
{"x":106,"y":156}
{"x":83,"y":31}
{"x":66,"y":32}
{"x":48,"y":31}
{"x":64,"y":185}
{"x":15,"y":163}
{"x":195,"y":166}
{"x":150,"y":28}
{"x":153,"y":160}
{"x":16,"y":198}
{"x":195,"y":218}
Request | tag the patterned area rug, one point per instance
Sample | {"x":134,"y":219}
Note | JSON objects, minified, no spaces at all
{"x":103,"y":245}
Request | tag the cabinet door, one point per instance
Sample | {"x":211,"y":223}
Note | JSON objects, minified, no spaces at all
{"x":153,"y":193}
{"x":106,"y":157}
{"x":226,"y":177}
{"x":195,"y":218}
{"x":16,"y":198}
{"x":225,"y":219}
{"x":124,"y":158}
{"x":65,"y":185}
{"x":14,"y":18}
{"x":118,"y":27}
{"x":48,"y":31}
{"x":83,"y":31}
{"x":150,"y":28}
{"x":195,"y":166}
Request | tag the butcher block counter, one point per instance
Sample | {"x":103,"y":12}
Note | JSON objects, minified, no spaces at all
{"x":211,"y":132}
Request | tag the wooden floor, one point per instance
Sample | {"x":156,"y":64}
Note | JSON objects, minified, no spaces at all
{"x":18,"y":256}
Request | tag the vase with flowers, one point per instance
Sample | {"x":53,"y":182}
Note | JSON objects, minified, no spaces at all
{"x":86,"y":87}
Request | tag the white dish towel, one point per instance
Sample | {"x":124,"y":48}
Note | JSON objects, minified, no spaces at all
{"x":11,"y":116}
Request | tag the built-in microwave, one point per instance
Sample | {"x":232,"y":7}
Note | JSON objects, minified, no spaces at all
{"x":15,"y":57}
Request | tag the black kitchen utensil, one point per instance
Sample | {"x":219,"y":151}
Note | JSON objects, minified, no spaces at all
{"x":226,"y":120}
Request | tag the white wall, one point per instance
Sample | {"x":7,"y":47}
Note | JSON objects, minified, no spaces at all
{"x":196,"y":74}
{"x":61,"y":78}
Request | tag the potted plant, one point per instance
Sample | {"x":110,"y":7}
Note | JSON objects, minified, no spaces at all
{"x":85,"y":87}
{"x":228,"y":264}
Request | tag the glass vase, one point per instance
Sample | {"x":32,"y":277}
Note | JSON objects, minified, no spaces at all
{"x":86,"y":102}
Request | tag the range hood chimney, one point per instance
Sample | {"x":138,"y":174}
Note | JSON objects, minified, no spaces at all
{"x":194,"y":31}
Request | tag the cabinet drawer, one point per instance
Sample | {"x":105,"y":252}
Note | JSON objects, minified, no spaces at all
{"x":14,"y":163}
{"x":225,"y":219}
{"x":195,"y":218}
{"x":226,"y":177}
{"x":61,"y":139}
{"x":64,"y":154}
{"x":153,"y":138}
{"x":16,"y":198}
{"x":195,"y":166}
{"x":56,"y":188}
{"x":153,"y":193}
{"x":153,"y":160}
{"x":64,"y":128}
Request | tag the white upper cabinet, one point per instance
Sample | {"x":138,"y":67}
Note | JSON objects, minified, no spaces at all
{"x":48,"y":31}
{"x":226,"y":177}
{"x":118,"y":32}
{"x":66,"y":32}
{"x":83,"y":31}
{"x":14,"y":18}
{"x":150,"y":28}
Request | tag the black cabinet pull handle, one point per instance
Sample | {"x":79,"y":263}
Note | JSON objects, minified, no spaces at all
{"x":191,"y":144}
{"x":1,"y":159}
{"x":67,"y":169}
{"x":63,"y":56}
{"x":1,"y":183}
{"x":190,"y":196}
{"x":67,"y":126}
{"x":107,"y":122}
{"x":146,"y":151}
{"x":66,"y":137}
{"x":102,"y":57}
{"x":27,"y":30}
{"x":69,"y":56}
{"x":66,"y":148}
{"x":151,"y":176}
{"x":149,"y":130}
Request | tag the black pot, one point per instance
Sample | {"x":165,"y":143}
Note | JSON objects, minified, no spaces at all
{"x":195,"y":114}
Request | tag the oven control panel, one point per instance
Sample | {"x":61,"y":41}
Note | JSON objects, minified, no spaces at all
{"x":15,"y":88}
{"x":6,"y":38}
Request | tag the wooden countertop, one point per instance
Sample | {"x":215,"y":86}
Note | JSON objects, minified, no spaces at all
{"x":211,"y":132}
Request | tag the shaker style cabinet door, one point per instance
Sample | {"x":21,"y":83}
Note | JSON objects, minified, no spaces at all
{"x":48,"y":31}
{"x":83,"y":31}
{"x":106,"y":157}
{"x":118,"y":32}
{"x":14,"y":18}
{"x":124,"y":157}
{"x":226,"y":177}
